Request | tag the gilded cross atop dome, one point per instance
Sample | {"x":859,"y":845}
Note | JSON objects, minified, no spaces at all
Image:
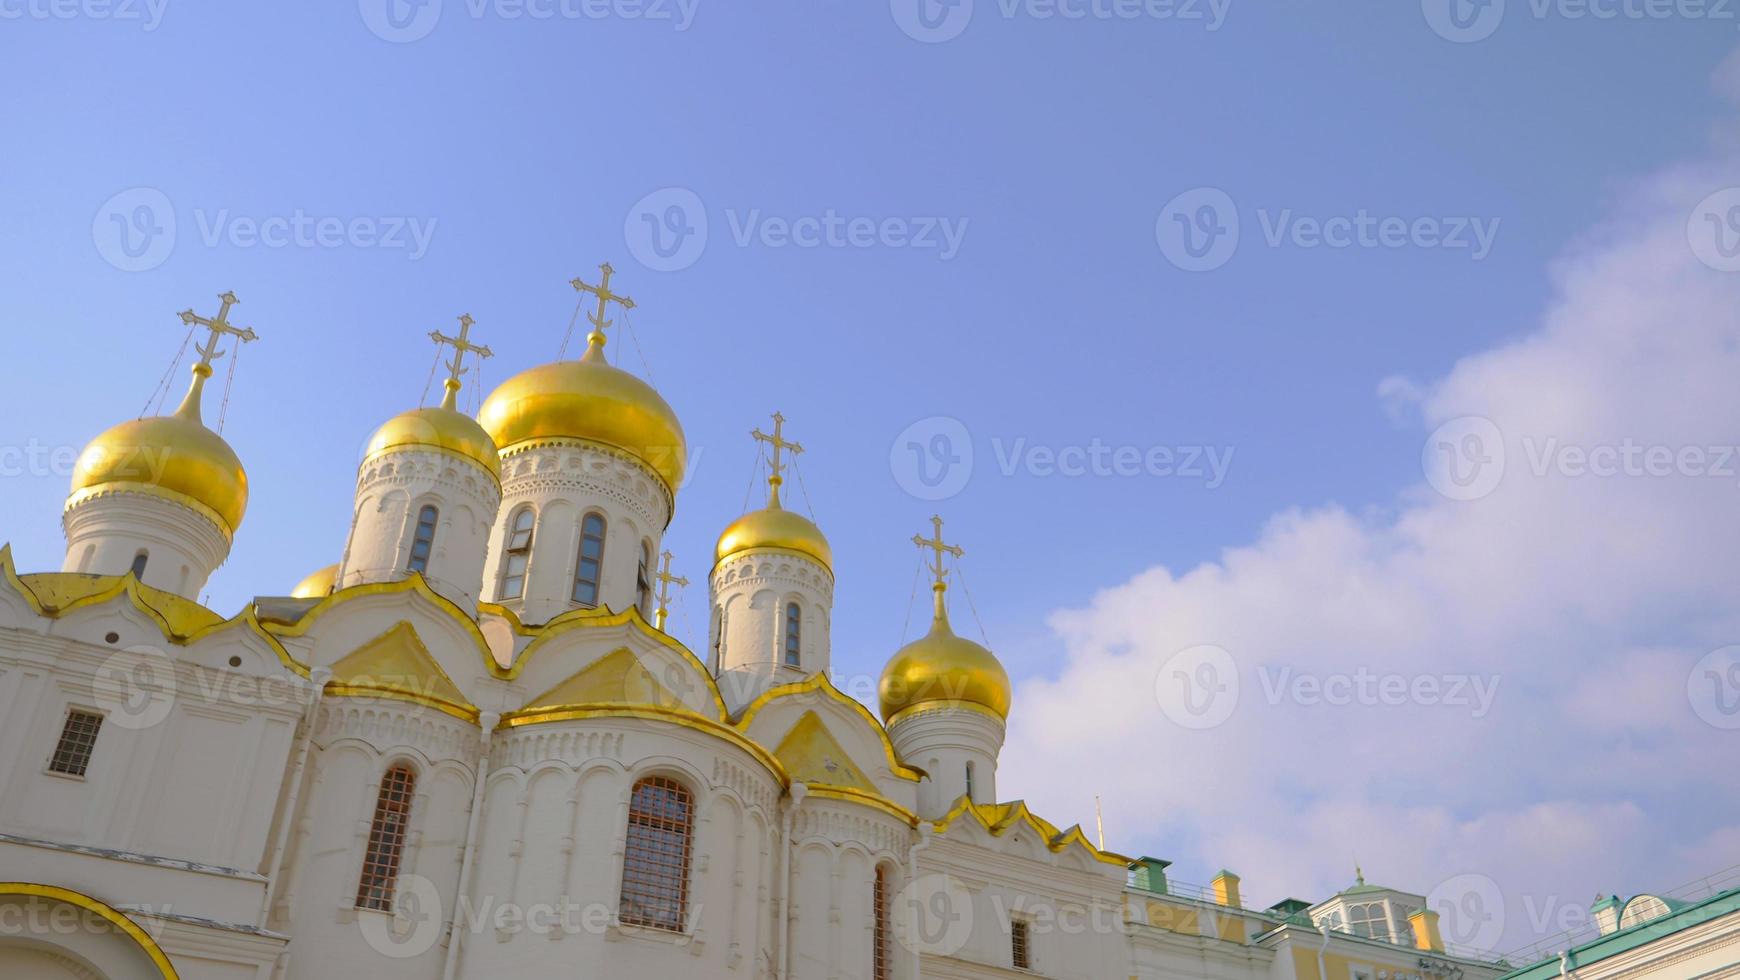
{"x":461,"y":345}
{"x":596,"y":340}
{"x":666,"y":580}
{"x":780,"y":446}
{"x":939,"y":549}
{"x":219,"y":325}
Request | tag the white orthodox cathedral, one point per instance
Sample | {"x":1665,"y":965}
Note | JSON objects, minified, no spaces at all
{"x":469,"y":749}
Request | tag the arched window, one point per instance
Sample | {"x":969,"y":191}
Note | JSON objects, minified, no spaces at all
{"x":882,"y":955}
{"x":140,"y":560}
{"x":518,"y":554}
{"x":793,"y":634}
{"x":1371,"y":921}
{"x":655,"y":866}
{"x":970,"y":797}
{"x":590,"y":570}
{"x":643,"y":588}
{"x":423,"y":544}
{"x":380,"y":871}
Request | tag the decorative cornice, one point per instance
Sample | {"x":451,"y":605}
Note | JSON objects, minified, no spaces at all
{"x":89,"y":494}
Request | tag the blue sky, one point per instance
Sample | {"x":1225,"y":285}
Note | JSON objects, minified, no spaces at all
{"x":523,"y":148}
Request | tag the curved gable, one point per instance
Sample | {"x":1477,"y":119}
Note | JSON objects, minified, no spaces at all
{"x":395,"y":638}
{"x":830,"y":741}
{"x":396,"y":664}
{"x":998,"y":820}
{"x":600,"y":657}
{"x":92,"y":603}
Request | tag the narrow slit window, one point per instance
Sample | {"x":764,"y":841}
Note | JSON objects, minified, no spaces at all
{"x":1020,"y":945}
{"x":380,"y":872}
{"x":423,"y":545}
{"x":643,"y":588}
{"x":655,"y":866}
{"x":519,"y":554}
{"x":589,"y":573}
{"x":970,"y":796}
{"x":140,"y":560}
{"x":78,"y":740}
{"x":882,"y":959}
{"x":793,"y":634}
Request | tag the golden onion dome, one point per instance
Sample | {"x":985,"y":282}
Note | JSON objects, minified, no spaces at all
{"x":317,"y":586}
{"x":173,"y":456}
{"x":592,"y":401}
{"x":941,"y":668}
{"x":777,"y":528}
{"x":443,"y":428}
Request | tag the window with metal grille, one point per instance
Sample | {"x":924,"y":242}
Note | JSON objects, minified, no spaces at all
{"x":519,"y":554}
{"x":655,"y":866}
{"x":78,"y":739}
{"x":380,"y":871}
{"x":793,"y":634}
{"x":590,"y":570}
{"x":423,"y":545}
{"x":882,"y":965}
{"x":1020,"y":948}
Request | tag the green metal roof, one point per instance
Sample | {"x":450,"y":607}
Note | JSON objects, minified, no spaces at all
{"x":1641,"y":934}
{"x":1361,"y":889}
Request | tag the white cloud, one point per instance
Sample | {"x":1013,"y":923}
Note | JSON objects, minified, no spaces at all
{"x":1588,"y":599}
